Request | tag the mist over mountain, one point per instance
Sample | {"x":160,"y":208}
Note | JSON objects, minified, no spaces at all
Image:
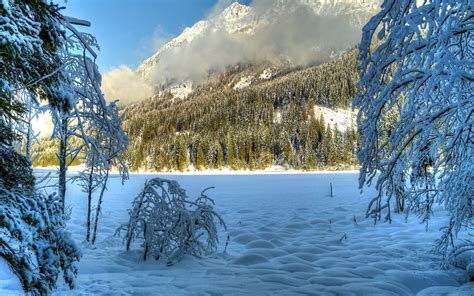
{"x":287,"y":33}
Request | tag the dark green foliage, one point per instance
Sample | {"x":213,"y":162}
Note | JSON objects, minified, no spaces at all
{"x":27,"y":51}
{"x":271,"y":122}
{"x":15,"y":171}
{"x":240,"y":129}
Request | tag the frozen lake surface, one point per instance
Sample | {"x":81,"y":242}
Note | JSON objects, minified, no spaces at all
{"x":288,"y":237}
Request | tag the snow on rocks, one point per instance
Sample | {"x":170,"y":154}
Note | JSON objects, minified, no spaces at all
{"x":277,"y":117}
{"x":181,"y":90}
{"x":266,"y":74}
{"x":244,"y":82}
{"x":233,"y":20}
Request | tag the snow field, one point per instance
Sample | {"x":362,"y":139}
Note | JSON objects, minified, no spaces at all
{"x":287,"y":237}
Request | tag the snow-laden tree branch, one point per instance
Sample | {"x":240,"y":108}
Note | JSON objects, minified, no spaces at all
{"x":104,"y":126}
{"x":416,"y":103}
{"x":33,"y":241}
{"x":79,"y":110}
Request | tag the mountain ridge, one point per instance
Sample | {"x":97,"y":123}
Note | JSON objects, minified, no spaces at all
{"x":239,"y":20}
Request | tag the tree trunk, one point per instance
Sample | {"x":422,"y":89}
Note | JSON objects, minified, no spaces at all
{"x":89,"y":200}
{"x":62,"y":163}
{"x":28,"y":133}
{"x":99,"y":206}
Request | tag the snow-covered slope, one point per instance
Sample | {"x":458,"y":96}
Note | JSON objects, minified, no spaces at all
{"x":341,"y":119}
{"x":240,"y":19}
{"x":232,"y":20}
{"x":185,"y":38}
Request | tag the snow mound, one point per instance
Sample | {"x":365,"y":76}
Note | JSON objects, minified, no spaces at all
{"x":9,"y":282}
{"x":263,"y":244}
{"x":245,"y":238}
{"x":250,"y":259}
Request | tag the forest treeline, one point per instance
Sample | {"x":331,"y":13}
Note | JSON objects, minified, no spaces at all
{"x":270,"y":122}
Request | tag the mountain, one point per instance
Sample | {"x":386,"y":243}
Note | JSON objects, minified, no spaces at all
{"x":250,"y":113}
{"x":250,"y":117}
{"x":232,"y":20}
{"x":242,"y":33}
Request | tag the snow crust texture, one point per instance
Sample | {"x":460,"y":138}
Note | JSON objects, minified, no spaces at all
{"x":287,"y":237}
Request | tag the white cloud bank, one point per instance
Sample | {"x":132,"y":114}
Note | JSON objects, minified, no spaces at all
{"x":293,"y":32}
{"x":125,"y":85}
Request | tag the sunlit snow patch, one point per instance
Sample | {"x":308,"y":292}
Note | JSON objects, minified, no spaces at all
{"x":344,"y":119}
{"x":181,"y":90}
{"x":244,"y":82}
{"x":266,"y":74}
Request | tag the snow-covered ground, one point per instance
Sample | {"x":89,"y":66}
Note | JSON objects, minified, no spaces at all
{"x":244,"y":82}
{"x":182,"y":90}
{"x":342,"y":118}
{"x":288,"y":237}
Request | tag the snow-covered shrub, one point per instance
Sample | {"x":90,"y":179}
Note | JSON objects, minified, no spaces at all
{"x":170,"y":225}
{"x":109,"y":143}
{"x":416,"y":113}
{"x":33,"y":241}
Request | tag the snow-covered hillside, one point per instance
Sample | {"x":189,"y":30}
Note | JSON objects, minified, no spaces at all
{"x":243,"y":82}
{"x":241,"y":20}
{"x":341,"y":119}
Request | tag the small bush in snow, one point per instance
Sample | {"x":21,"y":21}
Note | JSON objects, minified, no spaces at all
{"x":170,"y":225}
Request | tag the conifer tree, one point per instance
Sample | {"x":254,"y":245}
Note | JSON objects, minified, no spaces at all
{"x":34,"y":243}
{"x":231,"y":152}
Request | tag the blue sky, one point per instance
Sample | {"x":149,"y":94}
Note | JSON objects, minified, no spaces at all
{"x":129,"y":31}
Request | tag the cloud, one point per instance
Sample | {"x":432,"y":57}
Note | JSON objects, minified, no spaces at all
{"x":124,"y":84}
{"x":160,"y":37}
{"x":293,"y":33}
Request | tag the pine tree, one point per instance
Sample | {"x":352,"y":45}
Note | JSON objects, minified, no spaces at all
{"x":34,"y":243}
{"x":200,"y":156}
{"x":249,"y":150}
{"x":220,"y":156}
{"x":327,"y":146}
{"x":242,"y":162}
{"x":288,"y":152}
{"x":231,"y":152}
{"x":182,"y":159}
